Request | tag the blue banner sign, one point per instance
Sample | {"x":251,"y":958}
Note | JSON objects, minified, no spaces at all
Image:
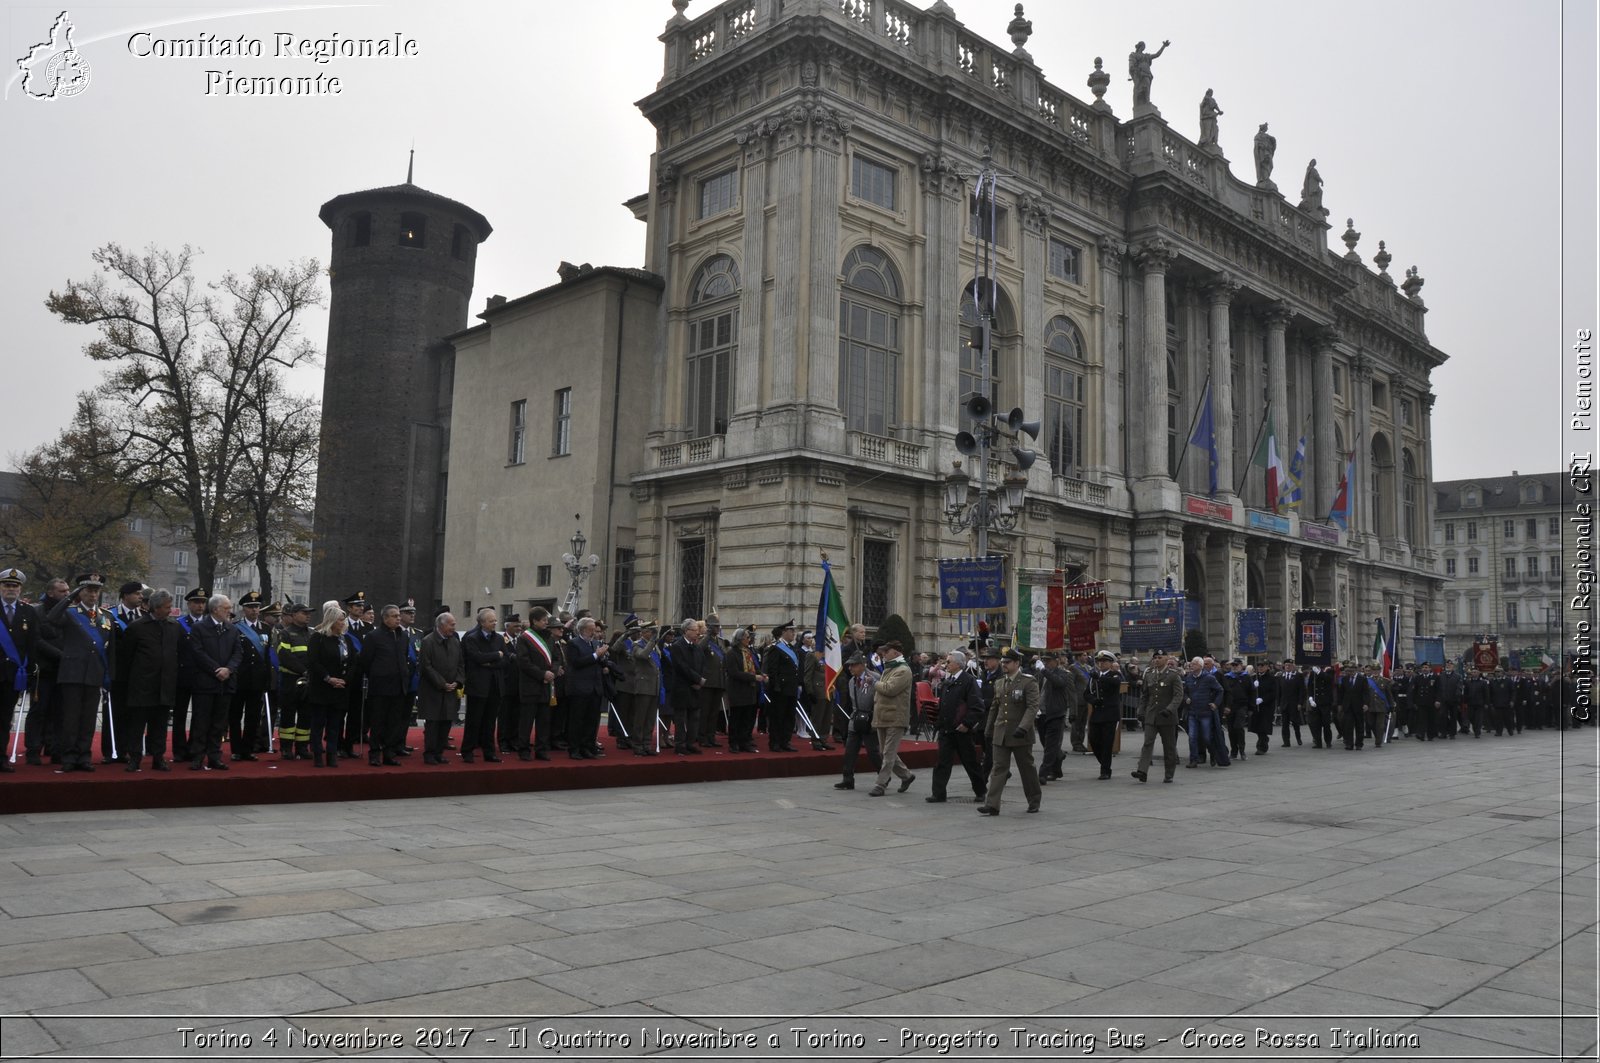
{"x":972,"y":584}
{"x":1428,"y":649}
{"x":1267,"y":521}
{"x":1252,"y":631}
{"x":1316,"y":637}
{"x":1155,"y":624}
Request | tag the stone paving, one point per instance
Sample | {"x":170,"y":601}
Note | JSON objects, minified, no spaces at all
{"x":1444,"y":893}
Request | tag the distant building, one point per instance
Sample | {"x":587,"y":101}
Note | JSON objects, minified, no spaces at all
{"x":1499,"y":544}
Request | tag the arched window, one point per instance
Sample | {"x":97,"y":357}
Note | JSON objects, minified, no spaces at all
{"x":1064,"y":394}
{"x":869,"y":342}
{"x":713,"y":343}
{"x":1410,"y":489}
{"x":1003,"y":340}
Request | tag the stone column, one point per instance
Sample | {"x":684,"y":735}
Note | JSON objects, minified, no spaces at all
{"x":1277,"y":318}
{"x":1326,"y":463}
{"x":1030,"y":382}
{"x":663,"y":212}
{"x":1106,"y":423}
{"x":1361,"y":490}
{"x":790,"y":269}
{"x":824,"y":422}
{"x":1153,"y":259}
{"x":1220,"y":294}
{"x":756,"y":141}
{"x":942,"y":204}
{"x":1425,"y":512}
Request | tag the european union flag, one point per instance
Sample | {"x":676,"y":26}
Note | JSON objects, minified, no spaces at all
{"x":1205,"y":437}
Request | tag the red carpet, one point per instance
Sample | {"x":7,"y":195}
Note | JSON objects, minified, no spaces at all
{"x":271,"y":781}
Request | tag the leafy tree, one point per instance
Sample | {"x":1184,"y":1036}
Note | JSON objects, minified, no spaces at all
{"x":189,"y":391}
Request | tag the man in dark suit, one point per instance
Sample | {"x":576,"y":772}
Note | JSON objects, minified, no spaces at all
{"x":1291,"y":693}
{"x":485,"y":653}
{"x":86,"y":635}
{"x":585,"y":689}
{"x":194,"y":611}
{"x":129,"y":607}
{"x":244,"y":711}
{"x":19,"y":628}
{"x":713,"y":649}
{"x":782,"y":667}
{"x":147,"y":661}
{"x":217,"y":649}
{"x":387,"y":662}
{"x":355,"y":716}
{"x":685,"y":681}
{"x":42,"y":729}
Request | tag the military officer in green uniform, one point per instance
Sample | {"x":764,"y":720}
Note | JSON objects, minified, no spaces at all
{"x":1163,"y":698}
{"x":1009,"y":730}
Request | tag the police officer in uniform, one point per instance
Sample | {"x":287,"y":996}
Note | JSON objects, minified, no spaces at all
{"x":355,"y":717}
{"x":251,"y":683}
{"x":1063,"y":696}
{"x":129,"y":607}
{"x":194,"y":611}
{"x":781,"y":664}
{"x":1163,"y":702}
{"x":86,"y":635}
{"x":19,"y":630}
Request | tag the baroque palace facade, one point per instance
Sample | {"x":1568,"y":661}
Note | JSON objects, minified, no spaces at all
{"x":811,"y":214}
{"x":784,"y":377}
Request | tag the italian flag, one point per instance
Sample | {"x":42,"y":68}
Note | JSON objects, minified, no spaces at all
{"x":831,"y":626}
{"x":1041,"y":616}
{"x":1267,"y":457}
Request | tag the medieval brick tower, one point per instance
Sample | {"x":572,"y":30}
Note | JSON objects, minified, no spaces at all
{"x":401,"y":278}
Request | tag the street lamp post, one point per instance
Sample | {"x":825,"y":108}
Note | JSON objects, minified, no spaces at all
{"x":578,"y":566}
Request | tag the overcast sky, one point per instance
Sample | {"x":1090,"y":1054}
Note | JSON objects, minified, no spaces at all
{"x":1435,"y":124}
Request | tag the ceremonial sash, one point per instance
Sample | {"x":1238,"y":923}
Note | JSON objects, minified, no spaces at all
{"x":186,"y":623}
{"x":351,"y":635}
{"x":411,"y":656}
{"x":254,"y":636}
{"x":661,"y":688}
{"x":9,"y":647}
{"x":784,"y":646}
{"x":538,"y":644}
{"x":1376,"y":689}
{"x":99,"y":642}
{"x":122,"y":625}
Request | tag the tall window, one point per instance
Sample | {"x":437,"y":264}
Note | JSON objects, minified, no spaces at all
{"x":979,"y":221}
{"x":1510,"y":530}
{"x":1474,"y":610}
{"x":877,"y":557}
{"x":519,"y":432}
{"x":1533,"y":528}
{"x":360,"y":229}
{"x":716,"y":193}
{"x":413,"y":229}
{"x":1452,"y":612}
{"x":1511,"y":614}
{"x":1409,"y":489}
{"x":1405,"y":412}
{"x":691,"y":577}
{"x":1472,"y":531}
{"x":561,"y":443}
{"x":872,"y":182}
{"x":542,"y":576}
{"x":1449,"y":566}
{"x":869,"y":342}
{"x":713,"y":343}
{"x":1449,"y":532}
{"x":180,"y":559}
{"x":1472,"y":566}
{"x":1533,"y":565}
{"x":1511,"y":568}
{"x":1064,"y":390}
{"x":508,"y":578}
{"x":1066,"y":261}
{"x":1555,"y":527}
{"x":622,"y":580}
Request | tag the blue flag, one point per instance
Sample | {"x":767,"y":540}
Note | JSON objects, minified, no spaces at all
{"x":1205,"y":437}
{"x":1297,"y":472}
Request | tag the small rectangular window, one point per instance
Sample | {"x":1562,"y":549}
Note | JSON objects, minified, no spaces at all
{"x":180,"y":559}
{"x":1511,"y":567}
{"x":1380,"y":396}
{"x":1066,"y":261}
{"x":179,"y":590}
{"x":716,"y":193}
{"x":1472,"y":566}
{"x":622,"y":580}
{"x":1533,"y":528}
{"x":543,"y":579}
{"x":1511,"y":529}
{"x":519,"y":432}
{"x":1533,"y":565}
{"x":360,"y":229}
{"x":562,"y":442}
{"x":458,"y":242}
{"x":413,"y":229}
{"x":133,"y":525}
{"x":1555,"y":527}
{"x":1472,"y":530}
{"x":1416,"y":620}
{"x":1511,"y":614}
{"x":1449,"y":566}
{"x":1449,"y":532}
{"x":1338,"y":380}
{"x":873,"y":182}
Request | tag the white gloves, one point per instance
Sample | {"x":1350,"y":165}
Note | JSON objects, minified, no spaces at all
{"x":1311,"y":702}
{"x":1258,"y":701}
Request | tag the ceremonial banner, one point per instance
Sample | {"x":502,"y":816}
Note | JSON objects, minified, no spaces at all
{"x":1086,"y":611}
{"x":1486,"y":655}
{"x":1041,"y":615}
{"x":972,"y":584}
{"x":1316,"y":640}
{"x":1252,"y":631}
{"x":831,"y":626}
{"x":1428,"y":649}
{"x":1155,"y":624}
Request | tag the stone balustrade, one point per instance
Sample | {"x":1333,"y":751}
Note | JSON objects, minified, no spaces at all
{"x":896,"y":452}
{"x":688,"y":452}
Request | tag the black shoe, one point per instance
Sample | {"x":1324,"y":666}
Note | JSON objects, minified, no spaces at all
{"x":218,"y":765}
{"x":1105,"y":775}
{"x":333,"y":760}
{"x":35,"y":759}
{"x":390,"y":762}
{"x":1035,"y":808}
{"x":932,"y":800}
{"x":372,"y":761}
{"x":713,"y":743}
{"x":1167,"y":779}
{"x":133,"y":765}
{"x":905,"y":784}
{"x":316,"y":760}
{"x":640,"y":752}
{"x":197,"y":765}
{"x":160,"y":765}
{"x":467,"y":757}
{"x":1141,"y":776}
{"x":850,"y":784}
{"x":985,"y":810}
{"x":490,"y":759}
{"x":540,"y":754}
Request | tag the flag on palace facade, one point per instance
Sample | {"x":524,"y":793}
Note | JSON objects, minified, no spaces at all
{"x":1267,"y":457}
{"x":1205,"y":437}
{"x":1390,"y":644}
{"x":831,"y":626}
{"x":1340,"y":511}
{"x":1297,"y":471}
{"x":1041,"y":615}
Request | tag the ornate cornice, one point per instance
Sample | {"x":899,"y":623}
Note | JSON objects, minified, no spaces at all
{"x":1153,"y":256}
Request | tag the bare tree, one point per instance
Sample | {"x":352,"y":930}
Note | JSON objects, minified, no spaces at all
{"x":276,"y":485}
{"x":186,"y":361}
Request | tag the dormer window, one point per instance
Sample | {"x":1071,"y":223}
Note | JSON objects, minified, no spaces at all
{"x":1469,"y":497}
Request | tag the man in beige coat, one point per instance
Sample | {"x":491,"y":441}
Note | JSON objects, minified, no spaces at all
{"x":891,"y":715}
{"x":1010,"y":733}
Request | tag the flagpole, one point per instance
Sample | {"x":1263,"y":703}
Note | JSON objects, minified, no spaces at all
{"x":1188,"y":440}
{"x":1254,"y":446}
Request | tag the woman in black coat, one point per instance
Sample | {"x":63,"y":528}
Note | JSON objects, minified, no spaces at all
{"x":328,"y":665}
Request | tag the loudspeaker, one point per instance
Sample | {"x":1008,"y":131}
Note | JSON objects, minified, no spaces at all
{"x":1025,"y":458}
{"x":977,"y":405}
{"x":1015,"y":420}
{"x":967,"y":443}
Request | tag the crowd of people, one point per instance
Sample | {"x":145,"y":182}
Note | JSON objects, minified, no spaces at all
{"x":164,"y":684}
